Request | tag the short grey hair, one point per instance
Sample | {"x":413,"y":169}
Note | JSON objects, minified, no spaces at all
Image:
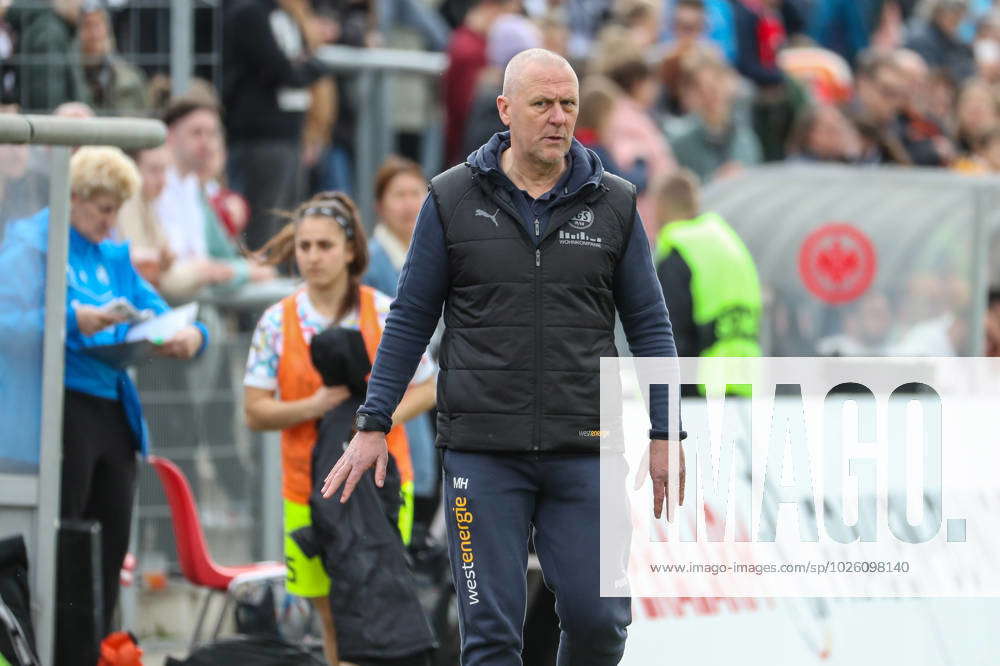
{"x":515,"y":68}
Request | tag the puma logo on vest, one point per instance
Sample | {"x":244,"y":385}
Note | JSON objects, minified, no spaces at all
{"x":482,"y":213}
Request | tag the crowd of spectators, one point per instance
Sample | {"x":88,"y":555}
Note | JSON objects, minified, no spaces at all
{"x":713,"y":86}
{"x":710,"y":85}
{"x":718,"y":85}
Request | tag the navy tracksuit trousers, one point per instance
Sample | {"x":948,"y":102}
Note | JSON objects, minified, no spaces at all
{"x":492,"y":502}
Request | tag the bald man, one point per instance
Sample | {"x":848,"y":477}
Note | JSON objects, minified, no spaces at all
{"x":531,"y":247}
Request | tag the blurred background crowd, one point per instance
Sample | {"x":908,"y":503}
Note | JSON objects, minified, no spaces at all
{"x":714,"y":86}
{"x":711,"y":85}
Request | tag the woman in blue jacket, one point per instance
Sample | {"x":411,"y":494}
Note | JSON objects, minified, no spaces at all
{"x":102,"y":418}
{"x":400,"y":190}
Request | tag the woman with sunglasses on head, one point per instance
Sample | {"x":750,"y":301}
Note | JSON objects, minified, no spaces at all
{"x":285,"y":391}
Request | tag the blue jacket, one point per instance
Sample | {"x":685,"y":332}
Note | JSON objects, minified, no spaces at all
{"x":424,"y":283}
{"x":96,"y":273}
{"x":381,"y":274}
{"x":842,"y":26}
{"x":720,"y":28}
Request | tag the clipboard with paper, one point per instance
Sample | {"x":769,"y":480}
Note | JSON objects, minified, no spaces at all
{"x":142,"y":339}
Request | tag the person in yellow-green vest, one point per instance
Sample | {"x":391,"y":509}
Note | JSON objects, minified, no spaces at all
{"x":708,"y":277}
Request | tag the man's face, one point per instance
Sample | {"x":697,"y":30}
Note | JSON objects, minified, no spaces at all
{"x":689,"y":24}
{"x":884,"y":94}
{"x":950,"y":19}
{"x":70,"y":9}
{"x":714,"y":88}
{"x":512,"y":7}
{"x":827,"y":137}
{"x":192,"y":139}
{"x":977,"y":110}
{"x":153,"y":168}
{"x":541,"y":111}
{"x":991,"y":154}
{"x":876,"y":318}
{"x":915,"y":76}
{"x":94,"y":34}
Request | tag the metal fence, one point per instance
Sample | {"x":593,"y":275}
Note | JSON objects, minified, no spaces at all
{"x":195,"y":416}
{"x":183,"y":38}
{"x":179,"y":38}
{"x":370,"y":75}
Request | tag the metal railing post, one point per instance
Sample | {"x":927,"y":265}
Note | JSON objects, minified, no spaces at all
{"x":50,"y":454}
{"x":373,"y":135}
{"x":364,"y":149}
{"x":181,"y":45}
{"x":272,"y":517}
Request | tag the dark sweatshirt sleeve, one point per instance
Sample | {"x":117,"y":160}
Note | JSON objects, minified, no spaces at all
{"x":643,"y":312}
{"x":413,"y":316}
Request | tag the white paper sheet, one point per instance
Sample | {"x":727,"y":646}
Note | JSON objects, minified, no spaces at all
{"x":162,"y":328}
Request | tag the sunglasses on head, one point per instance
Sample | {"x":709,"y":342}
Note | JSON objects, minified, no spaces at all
{"x":327,"y":210}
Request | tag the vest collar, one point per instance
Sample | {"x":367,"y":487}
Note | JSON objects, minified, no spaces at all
{"x":585,"y":169}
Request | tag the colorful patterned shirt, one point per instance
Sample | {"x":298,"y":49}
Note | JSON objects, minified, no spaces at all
{"x":266,"y":345}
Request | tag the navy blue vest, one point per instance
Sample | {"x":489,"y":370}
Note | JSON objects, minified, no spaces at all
{"x":526,"y":327}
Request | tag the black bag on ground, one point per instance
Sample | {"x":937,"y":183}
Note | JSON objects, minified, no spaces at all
{"x":249,"y":651}
{"x":373,"y":593}
{"x":17,"y":634}
{"x":257,"y":618}
{"x":80,"y":621}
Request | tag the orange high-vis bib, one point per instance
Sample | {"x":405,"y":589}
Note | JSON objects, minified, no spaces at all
{"x":299,"y":379}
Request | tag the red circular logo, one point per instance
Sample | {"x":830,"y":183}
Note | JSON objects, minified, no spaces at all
{"x":837,"y":263}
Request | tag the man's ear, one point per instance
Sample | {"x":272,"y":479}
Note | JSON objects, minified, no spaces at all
{"x":503,"y":107}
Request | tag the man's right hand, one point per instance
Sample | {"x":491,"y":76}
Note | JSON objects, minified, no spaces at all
{"x":90,"y":320}
{"x":366,"y":449}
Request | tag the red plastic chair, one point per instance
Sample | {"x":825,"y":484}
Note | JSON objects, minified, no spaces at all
{"x":196,"y":562}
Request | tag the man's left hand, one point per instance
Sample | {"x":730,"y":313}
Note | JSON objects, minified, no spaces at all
{"x":659,"y":468}
{"x":184,"y":345}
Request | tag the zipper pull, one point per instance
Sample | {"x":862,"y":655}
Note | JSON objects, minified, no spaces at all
{"x":536,"y":227}
{"x":538,"y":258}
